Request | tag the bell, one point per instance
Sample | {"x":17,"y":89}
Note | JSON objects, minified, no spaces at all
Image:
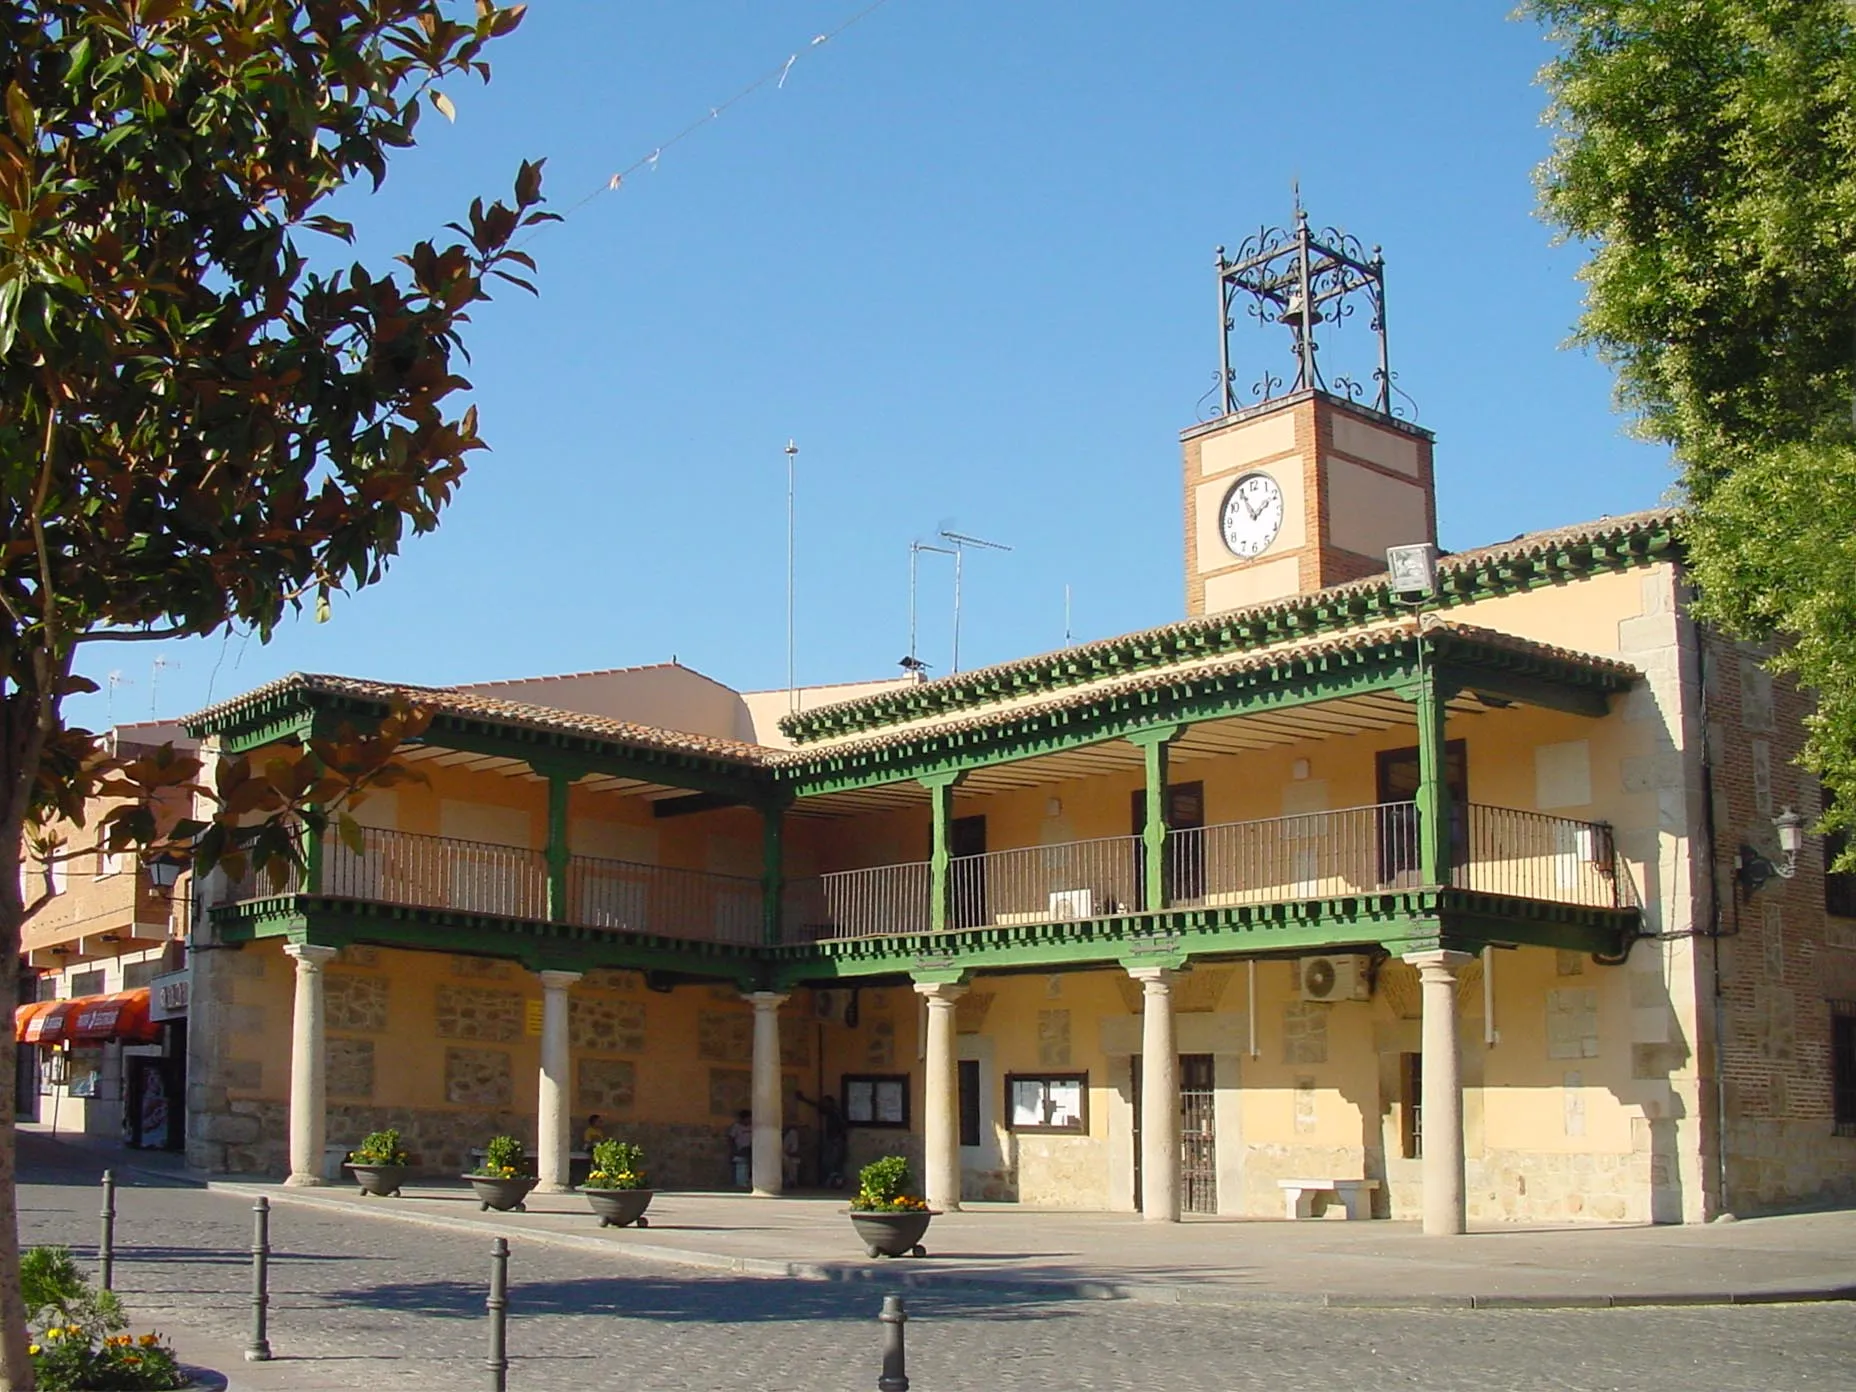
{"x":1297,"y":315}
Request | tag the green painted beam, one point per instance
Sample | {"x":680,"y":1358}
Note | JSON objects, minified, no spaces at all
{"x":940,"y":857}
{"x":1397,"y":921}
{"x":1153,"y":745}
{"x":1431,"y":697}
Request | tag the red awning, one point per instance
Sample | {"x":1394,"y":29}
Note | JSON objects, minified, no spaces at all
{"x":123,"y":1015}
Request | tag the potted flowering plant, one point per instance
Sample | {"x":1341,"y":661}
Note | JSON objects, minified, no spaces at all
{"x":617,"y":1188}
{"x":76,"y":1333}
{"x":889,"y":1221}
{"x":502,"y":1181}
{"x":379,"y":1164}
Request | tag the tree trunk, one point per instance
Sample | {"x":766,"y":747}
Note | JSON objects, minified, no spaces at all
{"x":15,"y":1363}
{"x":23,"y":722}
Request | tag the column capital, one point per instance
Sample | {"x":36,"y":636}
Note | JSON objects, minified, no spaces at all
{"x":1155,"y":735}
{"x":1439,"y":960}
{"x":766,"y":1000}
{"x":942,"y":993}
{"x":311,"y":957}
{"x":1155,"y":980}
{"x":558,"y":980}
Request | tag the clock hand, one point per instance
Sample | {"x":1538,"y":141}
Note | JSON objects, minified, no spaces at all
{"x":1255,"y":512}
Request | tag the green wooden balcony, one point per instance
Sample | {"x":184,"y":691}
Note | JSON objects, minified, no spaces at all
{"x":1499,"y":851}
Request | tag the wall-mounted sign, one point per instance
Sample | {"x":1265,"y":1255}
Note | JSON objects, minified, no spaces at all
{"x":168,"y":995}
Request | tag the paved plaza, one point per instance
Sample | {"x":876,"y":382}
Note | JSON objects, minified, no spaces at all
{"x":364,"y":1298}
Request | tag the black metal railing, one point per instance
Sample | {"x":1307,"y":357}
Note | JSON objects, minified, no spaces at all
{"x":1047,"y":884}
{"x":1311,"y":856}
{"x":478,"y":877}
{"x":1531,"y":855}
{"x":634,"y":898}
{"x":858,"y":903}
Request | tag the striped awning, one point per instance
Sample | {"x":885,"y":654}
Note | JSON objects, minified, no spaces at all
{"x":120,"y":1015}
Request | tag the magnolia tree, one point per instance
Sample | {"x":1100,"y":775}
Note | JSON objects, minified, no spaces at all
{"x":198,"y":428}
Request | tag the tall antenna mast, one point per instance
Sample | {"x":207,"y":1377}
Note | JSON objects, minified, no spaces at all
{"x":961,"y":543}
{"x":1066,"y":615}
{"x":792,"y":685}
{"x":914,"y":663}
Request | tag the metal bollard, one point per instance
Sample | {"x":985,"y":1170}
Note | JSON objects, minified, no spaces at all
{"x":106,"y":1242}
{"x":498,"y":1303}
{"x":895,"y":1376}
{"x":259,"y":1350}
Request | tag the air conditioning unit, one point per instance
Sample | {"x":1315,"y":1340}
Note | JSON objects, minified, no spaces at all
{"x":1333,"y":978}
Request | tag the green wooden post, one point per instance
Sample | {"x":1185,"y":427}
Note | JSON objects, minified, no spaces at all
{"x":1154,"y":746}
{"x":1434,"y":850}
{"x":772,"y":872}
{"x":940,"y":788}
{"x":312,"y":857}
{"x":559,"y":782}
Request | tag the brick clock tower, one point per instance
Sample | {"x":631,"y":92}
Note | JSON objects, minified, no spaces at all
{"x":1308,"y":486}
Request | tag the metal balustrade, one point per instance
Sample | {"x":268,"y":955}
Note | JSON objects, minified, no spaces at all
{"x":858,"y":903}
{"x":631,"y":898}
{"x":1047,"y":884}
{"x":1315,"y":855}
{"x":437,"y":872}
{"x":1531,"y":855}
{"x":1498,"y":850}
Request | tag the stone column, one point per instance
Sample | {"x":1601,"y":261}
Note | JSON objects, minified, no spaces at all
{"x":308,"y":1067}
{"x":941,"y":1105}
{"x":1159,"y":1097}
{"x":1442,"y":1097}
{"x":764,"y":1168}
{"x":554,"y":1136}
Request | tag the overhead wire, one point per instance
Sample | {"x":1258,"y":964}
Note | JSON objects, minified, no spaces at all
{"x":776,"y":75}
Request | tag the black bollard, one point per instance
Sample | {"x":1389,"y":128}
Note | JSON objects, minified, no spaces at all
{"x":895,"y":1376}
{"x":498,"y":1303}
{"x":259,"y":1350}
{"x":106,"y":1242}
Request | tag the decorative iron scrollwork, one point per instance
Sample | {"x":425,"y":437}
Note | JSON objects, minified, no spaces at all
{"x":1300,"y":279}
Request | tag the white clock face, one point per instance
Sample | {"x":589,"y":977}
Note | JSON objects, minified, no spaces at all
{"x":1252,"y":515}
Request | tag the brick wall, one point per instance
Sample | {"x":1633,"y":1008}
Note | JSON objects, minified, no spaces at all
{"x":1782,"y":958}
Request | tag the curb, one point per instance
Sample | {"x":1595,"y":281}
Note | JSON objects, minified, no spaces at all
{"x":1134,"y":1292}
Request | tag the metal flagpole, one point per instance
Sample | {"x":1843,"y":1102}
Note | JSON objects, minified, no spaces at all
{"x":792,"y":685}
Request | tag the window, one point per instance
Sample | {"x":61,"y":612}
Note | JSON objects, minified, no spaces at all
{"x":1411,"y":1106}
{"x":108,"y":863}
{"x":87,"y":983}
{"x":1056,"y":1102}
{"x":1839,"y":889}
{"x":876,"y":1099}
{"x":1843,"y":1066}
{"x":969,"y":1102}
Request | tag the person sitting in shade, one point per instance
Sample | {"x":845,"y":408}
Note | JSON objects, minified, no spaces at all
{"x":594,"y":1133}
{"x":741,"y":1148}
{"x":789,"y":1157}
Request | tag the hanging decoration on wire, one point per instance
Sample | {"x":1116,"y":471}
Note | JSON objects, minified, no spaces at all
{"x":776,"y":76}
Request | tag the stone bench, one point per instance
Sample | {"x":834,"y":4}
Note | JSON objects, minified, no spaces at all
{"x":1355,"y":1195}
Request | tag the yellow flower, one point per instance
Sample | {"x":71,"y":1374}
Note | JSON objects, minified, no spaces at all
{"x":33,"y":1349}
{"x":149,"y":1340}
{"x":54,"y":1333}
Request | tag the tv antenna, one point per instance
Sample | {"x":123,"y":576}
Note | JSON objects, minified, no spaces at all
{"x":961,"y":543}
{"x":116,"y":679}
{"x":913,"y":663}
{"x":154,"y":681}
{"x":792,"y":685}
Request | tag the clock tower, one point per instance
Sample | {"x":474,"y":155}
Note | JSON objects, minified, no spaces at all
{"x":1293,"y":489}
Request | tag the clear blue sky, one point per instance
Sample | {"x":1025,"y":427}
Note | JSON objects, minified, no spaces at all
{"x":964,"y":259}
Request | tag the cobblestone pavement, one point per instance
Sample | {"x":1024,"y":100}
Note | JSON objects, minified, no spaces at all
{"x":367,"y":1303}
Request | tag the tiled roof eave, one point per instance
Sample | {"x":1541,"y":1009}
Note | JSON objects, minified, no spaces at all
{"x":1538,"y":558}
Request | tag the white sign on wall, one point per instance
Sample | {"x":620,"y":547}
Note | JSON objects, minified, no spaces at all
{"x":168,"y":995}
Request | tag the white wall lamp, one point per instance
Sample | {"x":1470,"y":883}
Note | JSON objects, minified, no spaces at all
{"x":1754,"y":871}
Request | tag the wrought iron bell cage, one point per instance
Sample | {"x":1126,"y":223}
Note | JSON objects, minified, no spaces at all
{"x":1299,"y":278}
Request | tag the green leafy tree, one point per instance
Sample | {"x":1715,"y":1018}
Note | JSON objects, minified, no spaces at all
{"x":198,"y":427}
{"x":1706,"y":151}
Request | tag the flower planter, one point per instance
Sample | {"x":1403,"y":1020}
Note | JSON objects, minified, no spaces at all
{"x":382,"y":1181}
{"x":615,"y":1208}
{"x":503,"y":1194}
{"x":893,"y":1234}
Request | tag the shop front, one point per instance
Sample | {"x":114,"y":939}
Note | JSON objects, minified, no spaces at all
{"x":92,"y":1051}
